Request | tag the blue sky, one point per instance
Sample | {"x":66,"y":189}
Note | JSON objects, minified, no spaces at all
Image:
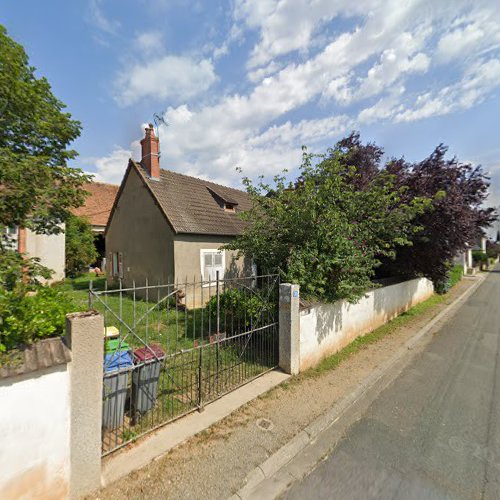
{"x":248,"y":82}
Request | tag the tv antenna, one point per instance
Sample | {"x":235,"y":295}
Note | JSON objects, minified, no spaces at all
{"x":159,"y":120}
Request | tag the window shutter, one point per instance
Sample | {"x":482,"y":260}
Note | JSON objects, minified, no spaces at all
{"x":212,"y":261}
{"x":120,"y":265}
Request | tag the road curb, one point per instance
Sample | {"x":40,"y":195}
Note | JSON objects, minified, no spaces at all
{"x":273,"y":465}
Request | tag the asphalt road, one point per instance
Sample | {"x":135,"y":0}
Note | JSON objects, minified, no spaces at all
{"x":435,"y":431}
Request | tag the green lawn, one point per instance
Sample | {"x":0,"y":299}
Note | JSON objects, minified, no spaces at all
{"x":166,"y":325}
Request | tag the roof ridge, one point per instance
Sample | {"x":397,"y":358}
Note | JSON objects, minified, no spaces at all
{"x":202,"y":180}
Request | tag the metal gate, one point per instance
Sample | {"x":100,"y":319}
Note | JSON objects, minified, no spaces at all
{"x":171,"y":349}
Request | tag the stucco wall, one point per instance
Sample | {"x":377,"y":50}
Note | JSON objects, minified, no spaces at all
{"x":327,"y":328}
{"x":187,"y":249}
{"x":34,"y":426}
{"x":50,"y":249}
{"x":140,"y":232}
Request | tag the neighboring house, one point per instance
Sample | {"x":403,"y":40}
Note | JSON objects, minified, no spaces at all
{"x":168,"y":227}
{"x":48,"y":248}
{"x":96,"y":210}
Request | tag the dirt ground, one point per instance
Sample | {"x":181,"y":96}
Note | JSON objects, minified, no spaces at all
{"x":215,"y":463}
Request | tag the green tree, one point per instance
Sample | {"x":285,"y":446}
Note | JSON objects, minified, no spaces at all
{"x":324,"y":232}
{"x":38,"y":188}
{"x":80,"y":248}
{"x":37,"y":191}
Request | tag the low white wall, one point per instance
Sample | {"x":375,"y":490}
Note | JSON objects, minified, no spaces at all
{"x":50,"y":249}
{"x":34,"y":428}
{"x":327,"y":328}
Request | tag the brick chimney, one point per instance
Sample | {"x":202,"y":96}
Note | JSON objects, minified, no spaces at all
{"x":150,"y":153}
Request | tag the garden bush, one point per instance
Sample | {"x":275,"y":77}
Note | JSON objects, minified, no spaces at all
{"x":454,"y":275}
{"x":241,"y":309}
{"x":479,"y":257}
{"x":29,"y":316}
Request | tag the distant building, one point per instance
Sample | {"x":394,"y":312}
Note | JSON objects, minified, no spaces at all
{"x":96,"y":210}
{"x":48,"y":248}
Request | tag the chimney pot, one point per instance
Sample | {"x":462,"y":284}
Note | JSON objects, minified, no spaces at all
{"x":150,"y":146}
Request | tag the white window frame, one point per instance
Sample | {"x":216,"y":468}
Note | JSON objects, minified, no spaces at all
{"x":117,"y":264}
{"x":206,"y":251}
{"x":12,"y":236}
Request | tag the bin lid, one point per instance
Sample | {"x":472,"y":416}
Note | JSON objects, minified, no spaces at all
{"x":146,"y":353}
{"x":117,"y":360}
{"x":113,"y":345}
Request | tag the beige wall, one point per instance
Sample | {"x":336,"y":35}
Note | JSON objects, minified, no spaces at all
{"x":141,"y":233}
{"x":50,"y":249}
{"x":187,"y":248}
{"x":187,"y":252}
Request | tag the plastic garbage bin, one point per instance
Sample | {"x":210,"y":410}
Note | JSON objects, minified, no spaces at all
{"x":117,"y":366}
{"x":114,"y":344}
{"x":145,"y":377}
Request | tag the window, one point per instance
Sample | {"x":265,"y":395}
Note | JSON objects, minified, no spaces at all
{"x":117,"y":264}
{"x":11,"y":234}
{"x":211,"y":262}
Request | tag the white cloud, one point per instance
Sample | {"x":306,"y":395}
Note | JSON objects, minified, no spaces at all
{"x":165,"y":78}
{"x":470,"y":35}
{"x":384,"y":108}
{"x":289,"y":25}
{"x":111,"y":168}
{"x":149,"y":42}
{"x":478,"y":81}
{"x":389,"y":69}
{"x":374,"y":61}
{"x":259,"y":74}
{"x":100,"y":20}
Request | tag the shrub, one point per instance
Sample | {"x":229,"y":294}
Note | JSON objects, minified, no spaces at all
{"x":80,"y":248}
{"x":241,"y":308}
{"x":454,"y":275}
{"x":26,"y":317}
{"x":493,"y":250}
{"x":479,"y":257}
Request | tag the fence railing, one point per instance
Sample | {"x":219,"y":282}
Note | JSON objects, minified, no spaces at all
{"x":173,"y":348}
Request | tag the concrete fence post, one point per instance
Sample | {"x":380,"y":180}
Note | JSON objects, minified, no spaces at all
{"x":289,"y":330}
{"x":84,"y":336}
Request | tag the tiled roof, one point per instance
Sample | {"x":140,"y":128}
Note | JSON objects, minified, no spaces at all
{"x":38,"y":356}
{"x":191,"y":205}
{"x":99,"y":203}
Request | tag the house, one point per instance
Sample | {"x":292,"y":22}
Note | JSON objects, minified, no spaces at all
{"x":96,"y":210}
{"x":48,"y":248}
{"x":168,"y":227}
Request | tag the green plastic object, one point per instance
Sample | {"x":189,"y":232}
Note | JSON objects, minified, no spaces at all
{"x":113,"y":345}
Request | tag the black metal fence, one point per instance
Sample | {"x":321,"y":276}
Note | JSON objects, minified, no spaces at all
{"x":171,"y":349}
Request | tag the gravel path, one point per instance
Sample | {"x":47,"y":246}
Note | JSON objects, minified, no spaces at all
{"x":215,"y":462}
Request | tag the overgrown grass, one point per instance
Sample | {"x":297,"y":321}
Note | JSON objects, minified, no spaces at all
{"x":456,"y":274}
{"x":170,"y":327}
{"x":332,"y":362}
